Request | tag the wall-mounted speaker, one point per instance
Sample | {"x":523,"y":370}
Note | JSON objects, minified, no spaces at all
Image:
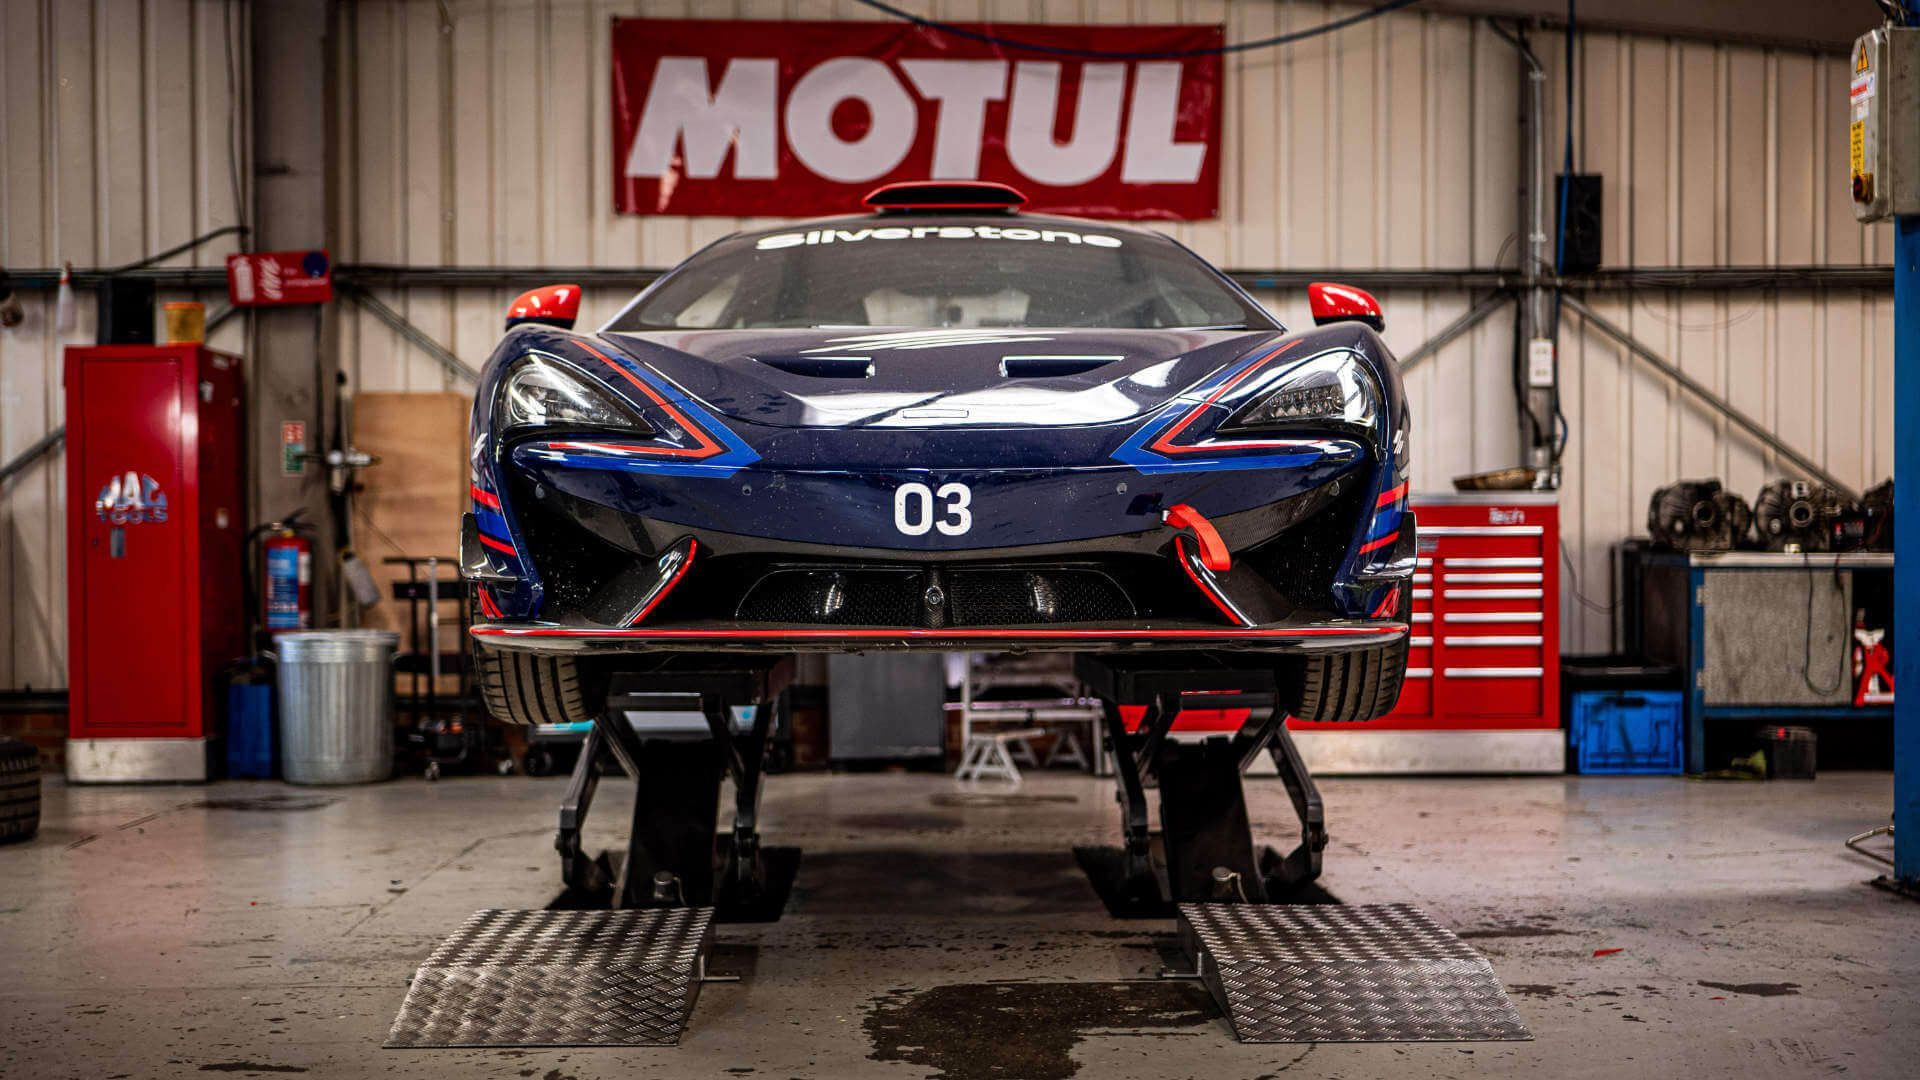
{"x":126,"y":311}
{"x":1580,"y":195}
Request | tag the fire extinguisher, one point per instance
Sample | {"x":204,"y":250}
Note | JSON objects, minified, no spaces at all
{"x":286,"y":594}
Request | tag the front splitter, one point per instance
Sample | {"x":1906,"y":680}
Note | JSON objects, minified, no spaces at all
{"x":1331,"y":636}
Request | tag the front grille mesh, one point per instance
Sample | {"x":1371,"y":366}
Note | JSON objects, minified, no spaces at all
{"x":933,"y":597}
{"x":836,"y":598}
{"x":1002,"y":597}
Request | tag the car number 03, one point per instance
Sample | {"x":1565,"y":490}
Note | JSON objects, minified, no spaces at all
{"x":914,"y":514}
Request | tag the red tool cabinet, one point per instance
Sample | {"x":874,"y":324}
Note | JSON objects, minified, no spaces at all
{"x":1486,"y":616}
{"x":155,"y":525}
{"x":1482,"y":692}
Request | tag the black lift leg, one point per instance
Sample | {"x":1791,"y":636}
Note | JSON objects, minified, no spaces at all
{"x":583,"y":876}
{"x":743,"y":879}
{"x":1302,"y":864}
{"x":1139,"y":885}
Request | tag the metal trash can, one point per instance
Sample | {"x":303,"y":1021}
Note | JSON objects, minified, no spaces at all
{"x":336,"y":705}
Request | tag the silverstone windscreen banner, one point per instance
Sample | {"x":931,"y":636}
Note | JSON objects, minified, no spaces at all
{"x":745,"y":118}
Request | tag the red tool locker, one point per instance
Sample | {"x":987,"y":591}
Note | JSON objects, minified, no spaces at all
{"x":1482,"y":692}
{"x":155,"y":525}
{"x":1486,"y":615}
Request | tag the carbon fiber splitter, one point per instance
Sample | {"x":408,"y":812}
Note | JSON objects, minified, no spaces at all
{"x":1335,"y":973}
{"x":559,"y":978}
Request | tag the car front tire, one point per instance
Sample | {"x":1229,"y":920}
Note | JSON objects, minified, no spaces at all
{"x":1345,"y":687}
{"x":533,"y":688}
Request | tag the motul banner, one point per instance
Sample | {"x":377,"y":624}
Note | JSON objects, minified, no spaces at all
{"x":750,"y":118}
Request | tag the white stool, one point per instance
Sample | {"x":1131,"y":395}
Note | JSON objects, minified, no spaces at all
{"x":987,"y":755}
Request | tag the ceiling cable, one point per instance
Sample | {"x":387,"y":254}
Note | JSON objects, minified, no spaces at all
{"x":1174,"y":54}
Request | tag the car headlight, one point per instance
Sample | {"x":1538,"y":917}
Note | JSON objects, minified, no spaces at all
{"x":1331,"y":389}
{"x":539,"y":392}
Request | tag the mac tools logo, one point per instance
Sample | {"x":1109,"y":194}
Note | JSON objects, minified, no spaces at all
{"x":130,"y":500}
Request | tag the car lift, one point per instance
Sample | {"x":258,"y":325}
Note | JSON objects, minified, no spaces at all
{"x":1206,"y":849}
{"x":627,"y":971}
{"x":671,"y":851}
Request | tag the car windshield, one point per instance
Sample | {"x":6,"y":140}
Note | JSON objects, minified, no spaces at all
{"x":933,"y":272}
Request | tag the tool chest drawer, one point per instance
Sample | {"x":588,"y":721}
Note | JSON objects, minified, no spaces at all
{"x":1484,"y":651}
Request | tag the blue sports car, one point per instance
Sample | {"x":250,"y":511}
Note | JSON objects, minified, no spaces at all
{"x":940,"y":425}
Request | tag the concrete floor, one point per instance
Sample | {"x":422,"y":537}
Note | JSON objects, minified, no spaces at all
{"x":261,"y":929}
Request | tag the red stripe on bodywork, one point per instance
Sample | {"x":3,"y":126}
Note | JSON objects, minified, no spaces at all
{"x":1164,"y":443}
{"x":1388,"y":498}
{"x":707,"y":447}
{"x":497,"y":545}
{"x":1180,"y":552}
{"x":487,"y":607}
{"x":1380,"y":543}
{"x":910,"y":634}
{"x":1388,"y":605}
{"x":692,"y":546}
{"x":484,"y":498}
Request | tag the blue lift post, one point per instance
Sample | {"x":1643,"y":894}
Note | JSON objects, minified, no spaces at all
{"x":1906,"y":546}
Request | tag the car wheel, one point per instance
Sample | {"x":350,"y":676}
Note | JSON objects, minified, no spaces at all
{"x":19,"y":790}
{"x":530,"y":688}
{"x":1351,"y":686}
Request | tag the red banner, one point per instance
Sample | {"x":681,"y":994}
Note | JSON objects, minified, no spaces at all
{"x":783,"y":119}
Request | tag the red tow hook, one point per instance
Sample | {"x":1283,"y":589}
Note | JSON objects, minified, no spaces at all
{"x":1213,"y":550}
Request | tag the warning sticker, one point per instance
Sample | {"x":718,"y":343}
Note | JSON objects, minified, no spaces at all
{"x":1862,"y":87}
{"x":1857,"y":147}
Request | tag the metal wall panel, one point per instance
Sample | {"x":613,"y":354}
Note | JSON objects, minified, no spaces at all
{"x":477,"y":132}
{"x":114,"y":140}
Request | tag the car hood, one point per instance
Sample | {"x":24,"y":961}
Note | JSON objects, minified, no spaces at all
{"x":921,"y":378}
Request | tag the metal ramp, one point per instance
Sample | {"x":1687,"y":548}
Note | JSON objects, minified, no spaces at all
{"x":1288,"y":973}
{"x":559,"y":978}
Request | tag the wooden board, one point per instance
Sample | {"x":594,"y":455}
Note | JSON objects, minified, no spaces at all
{"x":410,"y":503}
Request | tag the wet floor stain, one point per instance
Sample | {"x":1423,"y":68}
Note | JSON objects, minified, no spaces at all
{"x":264,"y":803}
{"x":1783,"y":989}
{"x":991,"y":1031}
{"x":1512,"y":932}
{"x":1539,"y":990}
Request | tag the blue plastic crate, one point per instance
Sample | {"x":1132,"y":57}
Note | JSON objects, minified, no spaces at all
{"x":1628,"y":731}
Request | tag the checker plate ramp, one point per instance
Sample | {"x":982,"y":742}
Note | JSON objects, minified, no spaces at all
{"x":559,"y":978}
{"x":1286,"y":973}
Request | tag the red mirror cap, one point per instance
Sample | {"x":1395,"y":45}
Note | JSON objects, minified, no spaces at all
{"x":1331,"y":303}
{"x":550,"y":305}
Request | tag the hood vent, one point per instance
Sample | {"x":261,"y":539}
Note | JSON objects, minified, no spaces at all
{"x":823,"y":367}
{"x":1040,"y":367}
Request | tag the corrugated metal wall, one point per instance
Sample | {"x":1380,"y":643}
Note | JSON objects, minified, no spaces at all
{"x":114,"y":134}
{"x":485,"y":140}
{"x":477,"y":132}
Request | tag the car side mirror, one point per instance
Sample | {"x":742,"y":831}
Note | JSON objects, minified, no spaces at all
{"x":549,"y":305}
{"x":1332,"y":303}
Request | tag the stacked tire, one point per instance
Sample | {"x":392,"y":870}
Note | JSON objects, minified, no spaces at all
{"x":19,"y":790}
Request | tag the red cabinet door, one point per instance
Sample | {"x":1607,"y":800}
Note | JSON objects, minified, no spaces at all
{"x":133,"y":661}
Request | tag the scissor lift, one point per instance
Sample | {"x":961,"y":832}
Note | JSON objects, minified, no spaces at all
{"x":1205,"y":849}
{"x":627,"y":974}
